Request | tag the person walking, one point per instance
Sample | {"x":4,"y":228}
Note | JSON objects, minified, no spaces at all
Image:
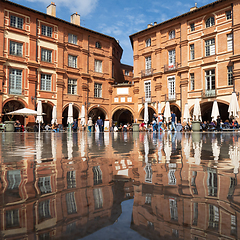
{"x":218,"y":123}
{"x":173,"y":120}
{"x":160,"y":121}
{"x":90,"y":123}
{"x":100,"y":124}
{"x":75,"y":125}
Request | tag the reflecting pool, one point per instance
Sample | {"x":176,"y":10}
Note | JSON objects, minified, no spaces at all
{"x":119,"y":186}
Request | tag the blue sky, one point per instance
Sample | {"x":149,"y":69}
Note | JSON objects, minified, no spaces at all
{"x":117,"y":18}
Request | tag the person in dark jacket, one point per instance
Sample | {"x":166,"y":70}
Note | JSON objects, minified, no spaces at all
{"x":75,"y":125}
{"x":100,"y":124}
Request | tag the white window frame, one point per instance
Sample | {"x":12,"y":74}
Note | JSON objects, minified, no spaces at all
{"x":72,"y":38}
{"x":71,"y":179}
{"x":97,"y":90}
{"x":46,"y":31}
{"x":46,"y":55}
{"x":98,"y":198}
{"x":192,"y":52}
{"x":12,"y":218}
{"x":15,"y":81}
{"x":44,"y":209}
{"x":148,"y":62}
{"x":210,"y":79}
{"x":98,"y":45}
{"x":172,"y":34}
{"x":210,"y":47}
{"x":230,"y":42}
{"x":192,"y":27}
{"x":148,"y":42}
{"x":14,"y":179}
{"x":44,"y":184}
{"x":211,"y":183}
{"x":171,"y":87}
{"x":149,"y":173}
{"x":173,"y":209}
{"x":213,"y":216}
{"x":126,"y":73}
{"x":210,"y":22}
{"x":171,"y":57}
{"x":147,"y":89}
{"x":98,"y":66}
{"x":16,"y":48}
{"x":16,"y":22}
{"x":72,"y":86}
{"x":171,"y":177}
{"x":71,"y":203}
{"x":72,"y":61}
{"x":229,"y":15}
{"x":46,"y":82}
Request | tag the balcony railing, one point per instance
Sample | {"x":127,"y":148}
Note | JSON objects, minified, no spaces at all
{"x":170,"y":98}
{"x":209,"y":93}
{"x":171,"y":67}
{"x":147,"y":72}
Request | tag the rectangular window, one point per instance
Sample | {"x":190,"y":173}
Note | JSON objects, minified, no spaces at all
{"x":44,"y":184}
{"x":97,"y":175}
{"x":126,"y":72}
{"x":233,"y":225}
{"x":192,"y":27}
{"x":192,"y":52}
{"x":72,"y":38}
{"x":149,"y":173}
{"x":230,"y":75}
{"x":98,"y":198}
{"x":44,"y":209}
{"x":14,"y":179}
{"x":212,"y":182}
{"x":195,"y":213}
{"x":213,"y":217}
{"x":210,"y":79}
{"x":46,"y":31}
{"x":230,"y":42}
{"x":210,"y":47}
{"x":98,"y":66}
{"x":71,"y":179}
{"x":97,"y":90}
{"x":171,"y":88}
{"x":71,"y":203}
{"x":229,"y":15}
{"x":46,"y":55}
{"x":171,"y":177}
{"x":172,"y":34}
{"x":192,"y":82}
{"x":233,"y":184}
{"x":16,"y":22}
{"x":148,"y":198}
{"x":72,"y":86}
{"x":16,"y":48}
{"x":15,"y":81}
{"x":46,"y":82}
{"x":148,"y":62}
{"x":147,"y":88}
{"x":171,"y":58}
{"x":72,"y":61}
{"x":12,"y":218}
{"x":173,"y":209}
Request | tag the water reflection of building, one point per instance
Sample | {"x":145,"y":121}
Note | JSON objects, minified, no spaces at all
{"x":186,"y":201}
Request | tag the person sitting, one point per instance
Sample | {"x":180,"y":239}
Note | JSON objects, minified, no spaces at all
{"x":236,"y":125}
{"x":17,"y":126}
{"x":142,"y":127}
{"x":187,"y":127}
{"x":212,"y":126}
{"x":124,"y":128}
{"x":47,"y":127}
{"x":55,"y":128}
{"x":226,"y":125}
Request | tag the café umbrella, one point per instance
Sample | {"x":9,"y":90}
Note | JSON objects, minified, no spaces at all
{"x":186,"y":115}
{"x":70,"y":114}
{"x":39,"y":118}
{"x":197,"y":111}
{"x":233,"y":108}
{"x":215,"y":111}
{"x":167,"y":112}
{"x":145,"y":112}
{"x":159,"y":108}
{"x":83,"y":121}
{"x":54,"y":115}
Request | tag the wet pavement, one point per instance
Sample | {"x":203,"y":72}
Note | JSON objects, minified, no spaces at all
{"x":119,"y":186}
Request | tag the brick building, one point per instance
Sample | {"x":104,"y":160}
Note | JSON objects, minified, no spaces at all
{"x":45,"y":58}
{"x":194,"y":55}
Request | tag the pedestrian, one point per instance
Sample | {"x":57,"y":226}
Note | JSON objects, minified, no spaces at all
{"x":160,"y":121}
{"x":17,"y":126}
{"x":154,"y":125}
{"x":75,"y":125}
{"x":218,"y":123}
{"x":100,"y":124}
{"x":173,"y":119}
{"x":90,"y":123}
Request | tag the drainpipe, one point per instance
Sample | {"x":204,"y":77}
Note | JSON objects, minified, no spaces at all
{"x":233,"y":46}
{"x":87,"y":78}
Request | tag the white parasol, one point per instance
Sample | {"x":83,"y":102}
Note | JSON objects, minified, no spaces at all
{"x":233,"y":108}
{"x":145,"y":112}
{"x":215,"y":111}
{"x":159,"y":108}
{"x":54,"y":115}
{"x":146,"y":148}
{"x":197,"y":111}
{"x":83,"y":121}
{"x":39,"y":118}
{"x":234,"y":155}
{"x":186,"y":115}
{"x":167,"y":112}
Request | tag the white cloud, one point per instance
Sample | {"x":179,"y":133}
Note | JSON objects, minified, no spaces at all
{"x":83,"y":7}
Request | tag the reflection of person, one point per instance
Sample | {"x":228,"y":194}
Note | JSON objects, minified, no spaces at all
{"x":17,"y":126}
{"x":96,"y":127}
{"x":100,"y":124}
{"x":75,"y":125}
{"x":90,"y":124}
{"x":173,"y":119}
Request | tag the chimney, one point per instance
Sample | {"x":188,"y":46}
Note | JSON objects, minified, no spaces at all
{"x":149,"y":25}
{"x":51,"y":9}
{"x":75,"y":19}
{"x":194,"y":8}
{"x":155,"y":23}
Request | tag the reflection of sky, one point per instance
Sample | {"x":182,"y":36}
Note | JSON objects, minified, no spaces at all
{"x":121,"y":228}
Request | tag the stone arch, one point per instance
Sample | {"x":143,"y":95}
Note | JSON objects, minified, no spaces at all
{"x":76,"y":112}
{"x":47,"y":107}
{"x":122,"y":115}
{"x":103,"y":109}
{"x":151,"y":111}
{"x":176,"y":109}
